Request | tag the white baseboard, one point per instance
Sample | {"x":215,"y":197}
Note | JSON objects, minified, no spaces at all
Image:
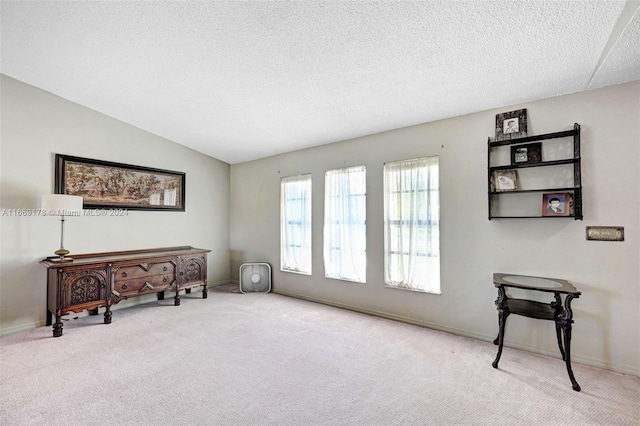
{"x":22,"y":327}
{"x":625,"y":369}
{"x":122,"y":305}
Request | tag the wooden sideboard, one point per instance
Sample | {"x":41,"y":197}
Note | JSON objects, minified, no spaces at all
{"x":92,"y":281}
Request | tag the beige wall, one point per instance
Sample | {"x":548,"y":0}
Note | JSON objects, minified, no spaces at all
{"x":607,"y":315}
{"x":35,"y":126}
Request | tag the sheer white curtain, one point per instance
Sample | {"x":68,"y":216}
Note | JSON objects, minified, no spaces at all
{"x":345,"y":240}
{"x":411,"y":225}
{"x":295,"y":224}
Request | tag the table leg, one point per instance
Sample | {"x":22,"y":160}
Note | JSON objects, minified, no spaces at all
{"x":503,"y":313}
{"x":565,"y":321}
{"x":559,"y":336}
{"x":557,"y":306}
{"x":567,"y":349}
{"x":502,"y":321}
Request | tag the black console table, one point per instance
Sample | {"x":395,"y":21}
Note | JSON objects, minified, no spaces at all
{"x":557,"y":311}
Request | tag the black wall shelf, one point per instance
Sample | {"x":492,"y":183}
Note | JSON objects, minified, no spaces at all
{"x":574,"y":191}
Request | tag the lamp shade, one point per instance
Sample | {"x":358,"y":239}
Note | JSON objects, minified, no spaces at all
{"x":61,"y":204}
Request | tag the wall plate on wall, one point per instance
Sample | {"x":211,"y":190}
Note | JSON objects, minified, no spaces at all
{"x":605,"y":233}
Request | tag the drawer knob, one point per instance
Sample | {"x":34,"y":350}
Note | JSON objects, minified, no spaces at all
{"x":124,"y":274}
{"x":124,"y":286}
{"x":164,"y":269}
{"x":164,"y":280}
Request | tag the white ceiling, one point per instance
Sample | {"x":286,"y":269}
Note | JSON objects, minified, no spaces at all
{"x":242,"y":80}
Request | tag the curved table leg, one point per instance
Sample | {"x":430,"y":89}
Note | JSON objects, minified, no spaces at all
{"x":559,"y":336}
{"x":567,"y":348}
{"x":557,"y":306}
{"x":565,"y":322}
{"x":502,"y":320}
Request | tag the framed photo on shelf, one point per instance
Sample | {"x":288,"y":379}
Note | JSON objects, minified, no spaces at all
{"x":526,"y":154}
{"x":511,"y":125}
{"x":505,"y":180}
{"x":556,"y":204}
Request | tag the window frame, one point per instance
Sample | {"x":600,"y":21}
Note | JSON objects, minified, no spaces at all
{"x":395,"y":230}
{"x":304,"y":220}
{"x":358,"y":271}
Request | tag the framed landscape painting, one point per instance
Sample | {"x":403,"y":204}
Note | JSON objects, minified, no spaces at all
{"x":107,"y":185}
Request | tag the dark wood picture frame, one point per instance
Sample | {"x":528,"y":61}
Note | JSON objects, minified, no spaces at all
{"x":563,"y":204}
{"x":108,"y":185}
{"x":527,"y":153}
{"x":511,"y":125}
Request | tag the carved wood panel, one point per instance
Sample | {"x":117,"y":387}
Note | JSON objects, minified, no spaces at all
{"x":192,"y":270}
{"x":83,"y":286}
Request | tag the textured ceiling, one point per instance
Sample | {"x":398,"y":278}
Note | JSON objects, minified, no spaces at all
{"x":243,"y":80}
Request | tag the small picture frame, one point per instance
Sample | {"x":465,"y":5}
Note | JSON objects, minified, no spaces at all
{"x":556,"y":204}
{"x":505,"y":180}
{"x":511,"y":125}
{"x":526,"y":154}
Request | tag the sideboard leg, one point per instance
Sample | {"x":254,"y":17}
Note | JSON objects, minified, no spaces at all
{"x":57,"y":327}
{"x":205,"y":292}
{"x":176,"y":299}
{"x":107,"y":315}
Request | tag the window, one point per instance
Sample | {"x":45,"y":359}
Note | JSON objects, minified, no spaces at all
{"x":411,"y":225}
{"x":345,"y":239}
{"x":295,"y":224}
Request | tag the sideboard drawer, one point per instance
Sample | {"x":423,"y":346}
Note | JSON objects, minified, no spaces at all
{"x":127,"y":273}
{"x":138,"y":286}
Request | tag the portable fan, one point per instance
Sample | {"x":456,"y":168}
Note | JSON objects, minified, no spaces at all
{"x":255,"y":278}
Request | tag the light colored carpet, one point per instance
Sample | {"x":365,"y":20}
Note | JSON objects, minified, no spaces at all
{"x":267,"y":359}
